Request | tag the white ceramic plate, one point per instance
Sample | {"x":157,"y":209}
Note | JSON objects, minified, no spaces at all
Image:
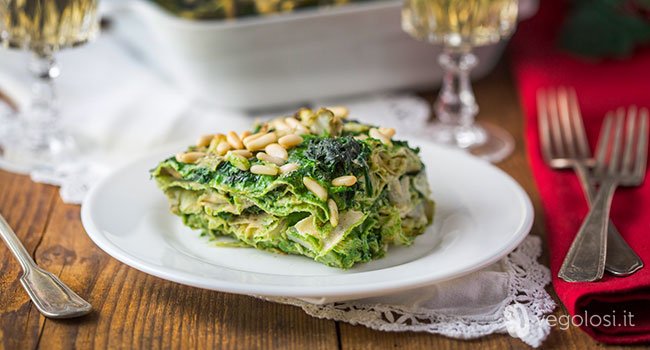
{"x":481,"y":215}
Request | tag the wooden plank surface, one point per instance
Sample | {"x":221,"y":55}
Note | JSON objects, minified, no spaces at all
{"x":137,"y":311}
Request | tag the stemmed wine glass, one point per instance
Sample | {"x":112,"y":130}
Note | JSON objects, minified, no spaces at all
{"x":460,"y":25}
{"x":43,"y":27}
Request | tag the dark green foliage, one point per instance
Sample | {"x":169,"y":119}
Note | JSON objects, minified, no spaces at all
{"x":228,"y":9}
{"x":406,"y":144}
{"x":200,"y":175}
{"x":606,"y":28}
{"x":252,"y":210}
{"x":230,"y":175}
{"x":294,"y":217}
{"x":337,"y":156}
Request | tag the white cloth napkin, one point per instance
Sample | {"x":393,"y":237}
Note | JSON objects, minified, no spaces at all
{"x":117,"y":107}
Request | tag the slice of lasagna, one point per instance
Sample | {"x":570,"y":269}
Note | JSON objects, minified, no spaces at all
{"x":314,"y":184}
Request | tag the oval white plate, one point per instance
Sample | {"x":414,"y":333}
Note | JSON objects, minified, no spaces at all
{"x":481,"y":215}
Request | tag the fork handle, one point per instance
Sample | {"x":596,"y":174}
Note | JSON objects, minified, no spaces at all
{"x":51,"y":296}
{"x":19,"y":251}
{"x":585,"y":261}
{"x":621,"y":258}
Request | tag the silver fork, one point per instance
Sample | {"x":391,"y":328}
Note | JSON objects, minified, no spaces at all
{"x":564,"y":145}
{"x":585,"y":261}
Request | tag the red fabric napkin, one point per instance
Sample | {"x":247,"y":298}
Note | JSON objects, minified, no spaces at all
{"x":601,"y":86}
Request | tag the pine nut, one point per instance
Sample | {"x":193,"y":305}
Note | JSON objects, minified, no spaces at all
{"x":276,"y":150}
{"x":287,"y":168}
{"x":180,"y":157}
{"x":216,"y":140}
{"x":355,"y":127}
{"x":245,"y":134}
{"x":189,"y":157}
{"x":389,"y":132}
{"x":301,"y":130}
{"x":261,"y":142}
{"x":361,"y":137}
{"x":223,"y":147}
{"x":315,"y":188}
{"x":289,"y":141}
{"x":347,"y":180}
{"x":375,"y":134}
{"x":204,"y":140}
{"x":339,"y":111}
{"x":295,"y":124}
{"x":238,"y":161}
{"x":234,"y":140}
{"x":243,"y":152}
{"x":263,"y":170}
{"x":334,"y":212}
{"x":252,"y":137}
{"x":268,"y":158}
{"x":292,"y":122}
{"x":280,"y":125}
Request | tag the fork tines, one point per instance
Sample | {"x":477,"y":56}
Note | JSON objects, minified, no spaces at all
{"x":561,"y":130}
{"x":631,"y":167}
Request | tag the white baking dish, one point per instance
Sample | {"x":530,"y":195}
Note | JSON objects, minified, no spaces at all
{"x":292,"y":58}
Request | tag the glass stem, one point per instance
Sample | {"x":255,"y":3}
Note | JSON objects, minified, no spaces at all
{"x":41,"y":119}
{"x":456,"y":105}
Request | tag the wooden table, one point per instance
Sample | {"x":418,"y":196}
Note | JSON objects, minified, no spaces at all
{"x":134,"y":310}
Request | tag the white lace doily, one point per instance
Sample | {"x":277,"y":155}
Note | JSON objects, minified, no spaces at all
{"x":520,"y":313}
